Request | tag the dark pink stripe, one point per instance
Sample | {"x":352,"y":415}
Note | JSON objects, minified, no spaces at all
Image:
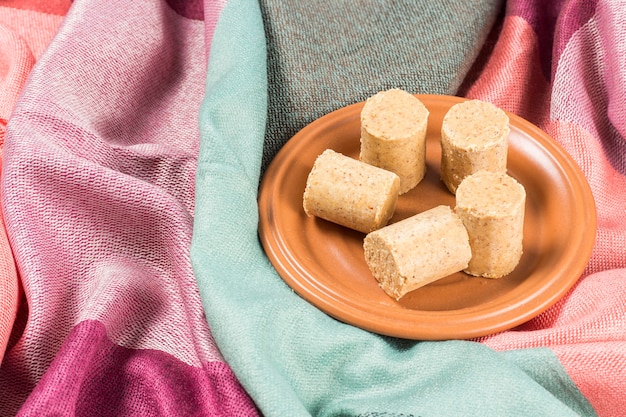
{"x":91,"y":376}
{"x":191,"y":9}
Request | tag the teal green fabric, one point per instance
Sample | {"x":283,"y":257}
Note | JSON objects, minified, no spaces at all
{"x":293,"y":359}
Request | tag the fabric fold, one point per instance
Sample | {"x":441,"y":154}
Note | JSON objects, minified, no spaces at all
{"x":17,"y":58}
{"x":292,"y":358}
{"x":98,"y":198}
{"x":134,"y":136}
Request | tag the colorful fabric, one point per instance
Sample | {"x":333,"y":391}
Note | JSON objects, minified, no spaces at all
{"x":98,"y":200}
{"x":25,"y":31}
{"x":135,"y":135}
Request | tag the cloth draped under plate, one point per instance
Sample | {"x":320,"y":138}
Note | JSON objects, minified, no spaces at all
{"x":131,"y":167}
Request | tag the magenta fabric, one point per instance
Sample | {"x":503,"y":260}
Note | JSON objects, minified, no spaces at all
{"x":98,"y":199}
{"x":192,"y":9}
{"x":91,"y":376}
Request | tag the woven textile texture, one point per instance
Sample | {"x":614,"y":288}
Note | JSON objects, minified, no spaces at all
{"x":25,"y":31}
{"x":134,"y":137}
{"x":546,"y":61}
{"x":98,"y":198}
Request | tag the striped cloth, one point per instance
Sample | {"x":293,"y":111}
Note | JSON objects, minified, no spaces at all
{"x":98,"y":185}
{"x":133,"y":139}
{"x":25,"y":31}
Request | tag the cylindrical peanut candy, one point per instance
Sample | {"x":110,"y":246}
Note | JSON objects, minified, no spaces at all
{"x":491,"y":206}
{"x":393,"y":135}
{"x":416,"y":251}
{"x":474,"y":137}
{"x":349,"y":192}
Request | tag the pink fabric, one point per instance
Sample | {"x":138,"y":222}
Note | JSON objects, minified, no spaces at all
{"x":47,"y":7}
{"x":24,"y":34}
{"x":16,"y":60}
{"x":212,"y":10}
{"x":15,"y":64}
{"x":582,"y":109}
{"x":109,"y":380}
{"x":98,"y":194}
{"x":35,"y":27}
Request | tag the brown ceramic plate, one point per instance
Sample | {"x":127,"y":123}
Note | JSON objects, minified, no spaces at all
{"x":324,"y":262}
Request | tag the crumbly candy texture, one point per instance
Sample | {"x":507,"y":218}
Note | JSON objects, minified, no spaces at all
{"x":418,"y":250}
{"x":349,"y":192}
{"x":393,"y":135}
{"x":491,"y":205}
{"x":474,"y":137}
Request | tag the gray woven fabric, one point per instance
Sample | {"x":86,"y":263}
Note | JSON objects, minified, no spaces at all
{"x":325,"y":54}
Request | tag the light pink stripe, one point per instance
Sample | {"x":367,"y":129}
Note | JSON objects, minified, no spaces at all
{"x":512,"y":71}
{"x":16,"y":61}
{"x":597,"y":87}
{"x":9,"y":284}
{"x":112,"y":119}
{"x":586,"y":331}
{"x":212,"y":11}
